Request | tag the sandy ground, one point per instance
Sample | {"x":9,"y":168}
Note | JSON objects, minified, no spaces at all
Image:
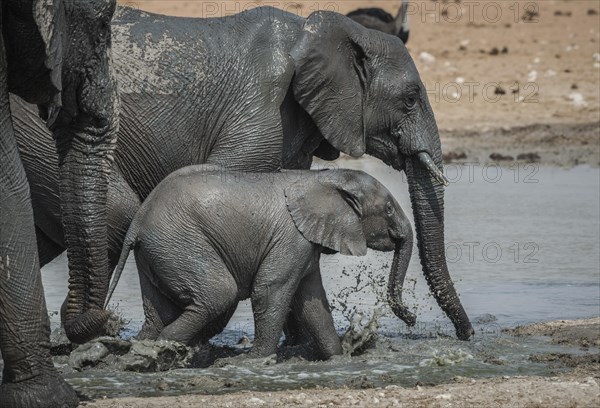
{"x":497,"y":83}
{"x":579,"y":387}
{"x":499,"y":392}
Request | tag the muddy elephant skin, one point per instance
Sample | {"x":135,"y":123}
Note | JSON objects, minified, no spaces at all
{"x":259,"y":91}
{"x":54,"y":54}
{"x":205,"y":239}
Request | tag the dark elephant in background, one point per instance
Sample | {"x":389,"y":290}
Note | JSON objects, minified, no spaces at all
{"x":260,"y":91}
{"x":379,"y":19}
{"x":55,"y":54}
{"x":206,"y":239}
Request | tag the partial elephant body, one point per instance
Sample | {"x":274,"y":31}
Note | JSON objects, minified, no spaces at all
{"x":55,"y":54}
{"x":260,"y":91}
{"x":41,"y":165}
{"x":172,"y":71}
{"x":205,"y":239}
{"x":29,"y":373}
{"x":379,"y":19}
{"x":59,"y":59}
{"x":168,"y":88}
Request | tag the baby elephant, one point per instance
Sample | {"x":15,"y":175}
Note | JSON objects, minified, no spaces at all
{"x":205,"y":239}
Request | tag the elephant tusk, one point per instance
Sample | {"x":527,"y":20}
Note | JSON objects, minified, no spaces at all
{"x":53,"y":112}
{"x":435,"y":172}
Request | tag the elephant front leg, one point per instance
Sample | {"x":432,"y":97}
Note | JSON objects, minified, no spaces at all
{"x":311,"y":311}
{"x":29,"y":378}
{"x":271,"y":302}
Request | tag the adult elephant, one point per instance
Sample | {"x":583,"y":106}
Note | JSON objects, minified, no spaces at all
{"x":55,"y":54}
{"x":379,"y":19}
{"x":257,"y":91}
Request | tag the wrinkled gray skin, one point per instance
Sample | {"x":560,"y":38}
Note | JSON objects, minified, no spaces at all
{"x":379,"y":19}
{"x":206,"y":239}
{"x":259,"y":91}
{"x":54,"y":54}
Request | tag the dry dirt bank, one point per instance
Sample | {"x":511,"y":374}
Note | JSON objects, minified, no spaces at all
{"x":577,"y":388}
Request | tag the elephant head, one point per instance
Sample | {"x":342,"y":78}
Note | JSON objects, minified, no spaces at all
{"x":59,"y":58}
{"x":347,"y":211}
{"x":379,"y":19}
{"x":363,"y":91}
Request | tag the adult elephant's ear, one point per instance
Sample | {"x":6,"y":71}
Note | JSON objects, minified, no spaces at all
{"x":49,"y":16}
{"x":331,"y":76}
{"x":327,"y":214}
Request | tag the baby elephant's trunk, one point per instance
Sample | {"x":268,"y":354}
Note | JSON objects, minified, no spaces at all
{"x":402,"y":255}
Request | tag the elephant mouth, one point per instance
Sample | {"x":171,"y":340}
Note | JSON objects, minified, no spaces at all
{"x":383,"y":243}
{"x":394,"y":236}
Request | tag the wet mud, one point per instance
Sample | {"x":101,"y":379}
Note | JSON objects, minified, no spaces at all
{"x":147,"y":356}
{"x":563,"y":144}
{"x":432,"y":363}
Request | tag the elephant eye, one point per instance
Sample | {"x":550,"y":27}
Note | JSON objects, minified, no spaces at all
{"x":389,"y":208}
{"x":411,"y":101}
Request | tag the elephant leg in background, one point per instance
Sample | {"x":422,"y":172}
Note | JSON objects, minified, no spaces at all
{"x":215,"y":327}
{"x":311,"y":310}
{"x":159,"y":310}
{"x":293,"y":331}
{"x":29,"y":377}
{"x":47,"y":248}
{"x":121,"y":205}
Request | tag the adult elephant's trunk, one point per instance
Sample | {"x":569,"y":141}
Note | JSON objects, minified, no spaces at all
{"x":85,"y":147}
{"x":83,"y":189}
{"x":427,"y":197}
{"x":400,"y":263}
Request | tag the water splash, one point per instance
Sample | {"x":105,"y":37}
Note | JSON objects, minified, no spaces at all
{"x":361,"y":336}
{"x":446,"y":358}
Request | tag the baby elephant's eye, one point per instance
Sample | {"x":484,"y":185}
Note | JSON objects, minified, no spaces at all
{"x":389,"y":208}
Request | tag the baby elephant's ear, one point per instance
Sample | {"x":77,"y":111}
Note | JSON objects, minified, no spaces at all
{"x":327,"y":215}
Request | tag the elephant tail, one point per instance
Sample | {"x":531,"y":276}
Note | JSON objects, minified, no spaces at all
{"x":128,"y":244}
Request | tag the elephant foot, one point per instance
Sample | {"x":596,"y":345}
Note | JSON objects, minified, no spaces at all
{"x":87,"y":326}
{"x":44,"y":391}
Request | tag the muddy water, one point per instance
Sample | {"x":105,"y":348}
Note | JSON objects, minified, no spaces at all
{"x":522,"y":246}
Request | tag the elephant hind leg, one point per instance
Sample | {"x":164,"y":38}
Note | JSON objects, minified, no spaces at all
{"x":215,"y":295}
{"x":159,"y":310}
